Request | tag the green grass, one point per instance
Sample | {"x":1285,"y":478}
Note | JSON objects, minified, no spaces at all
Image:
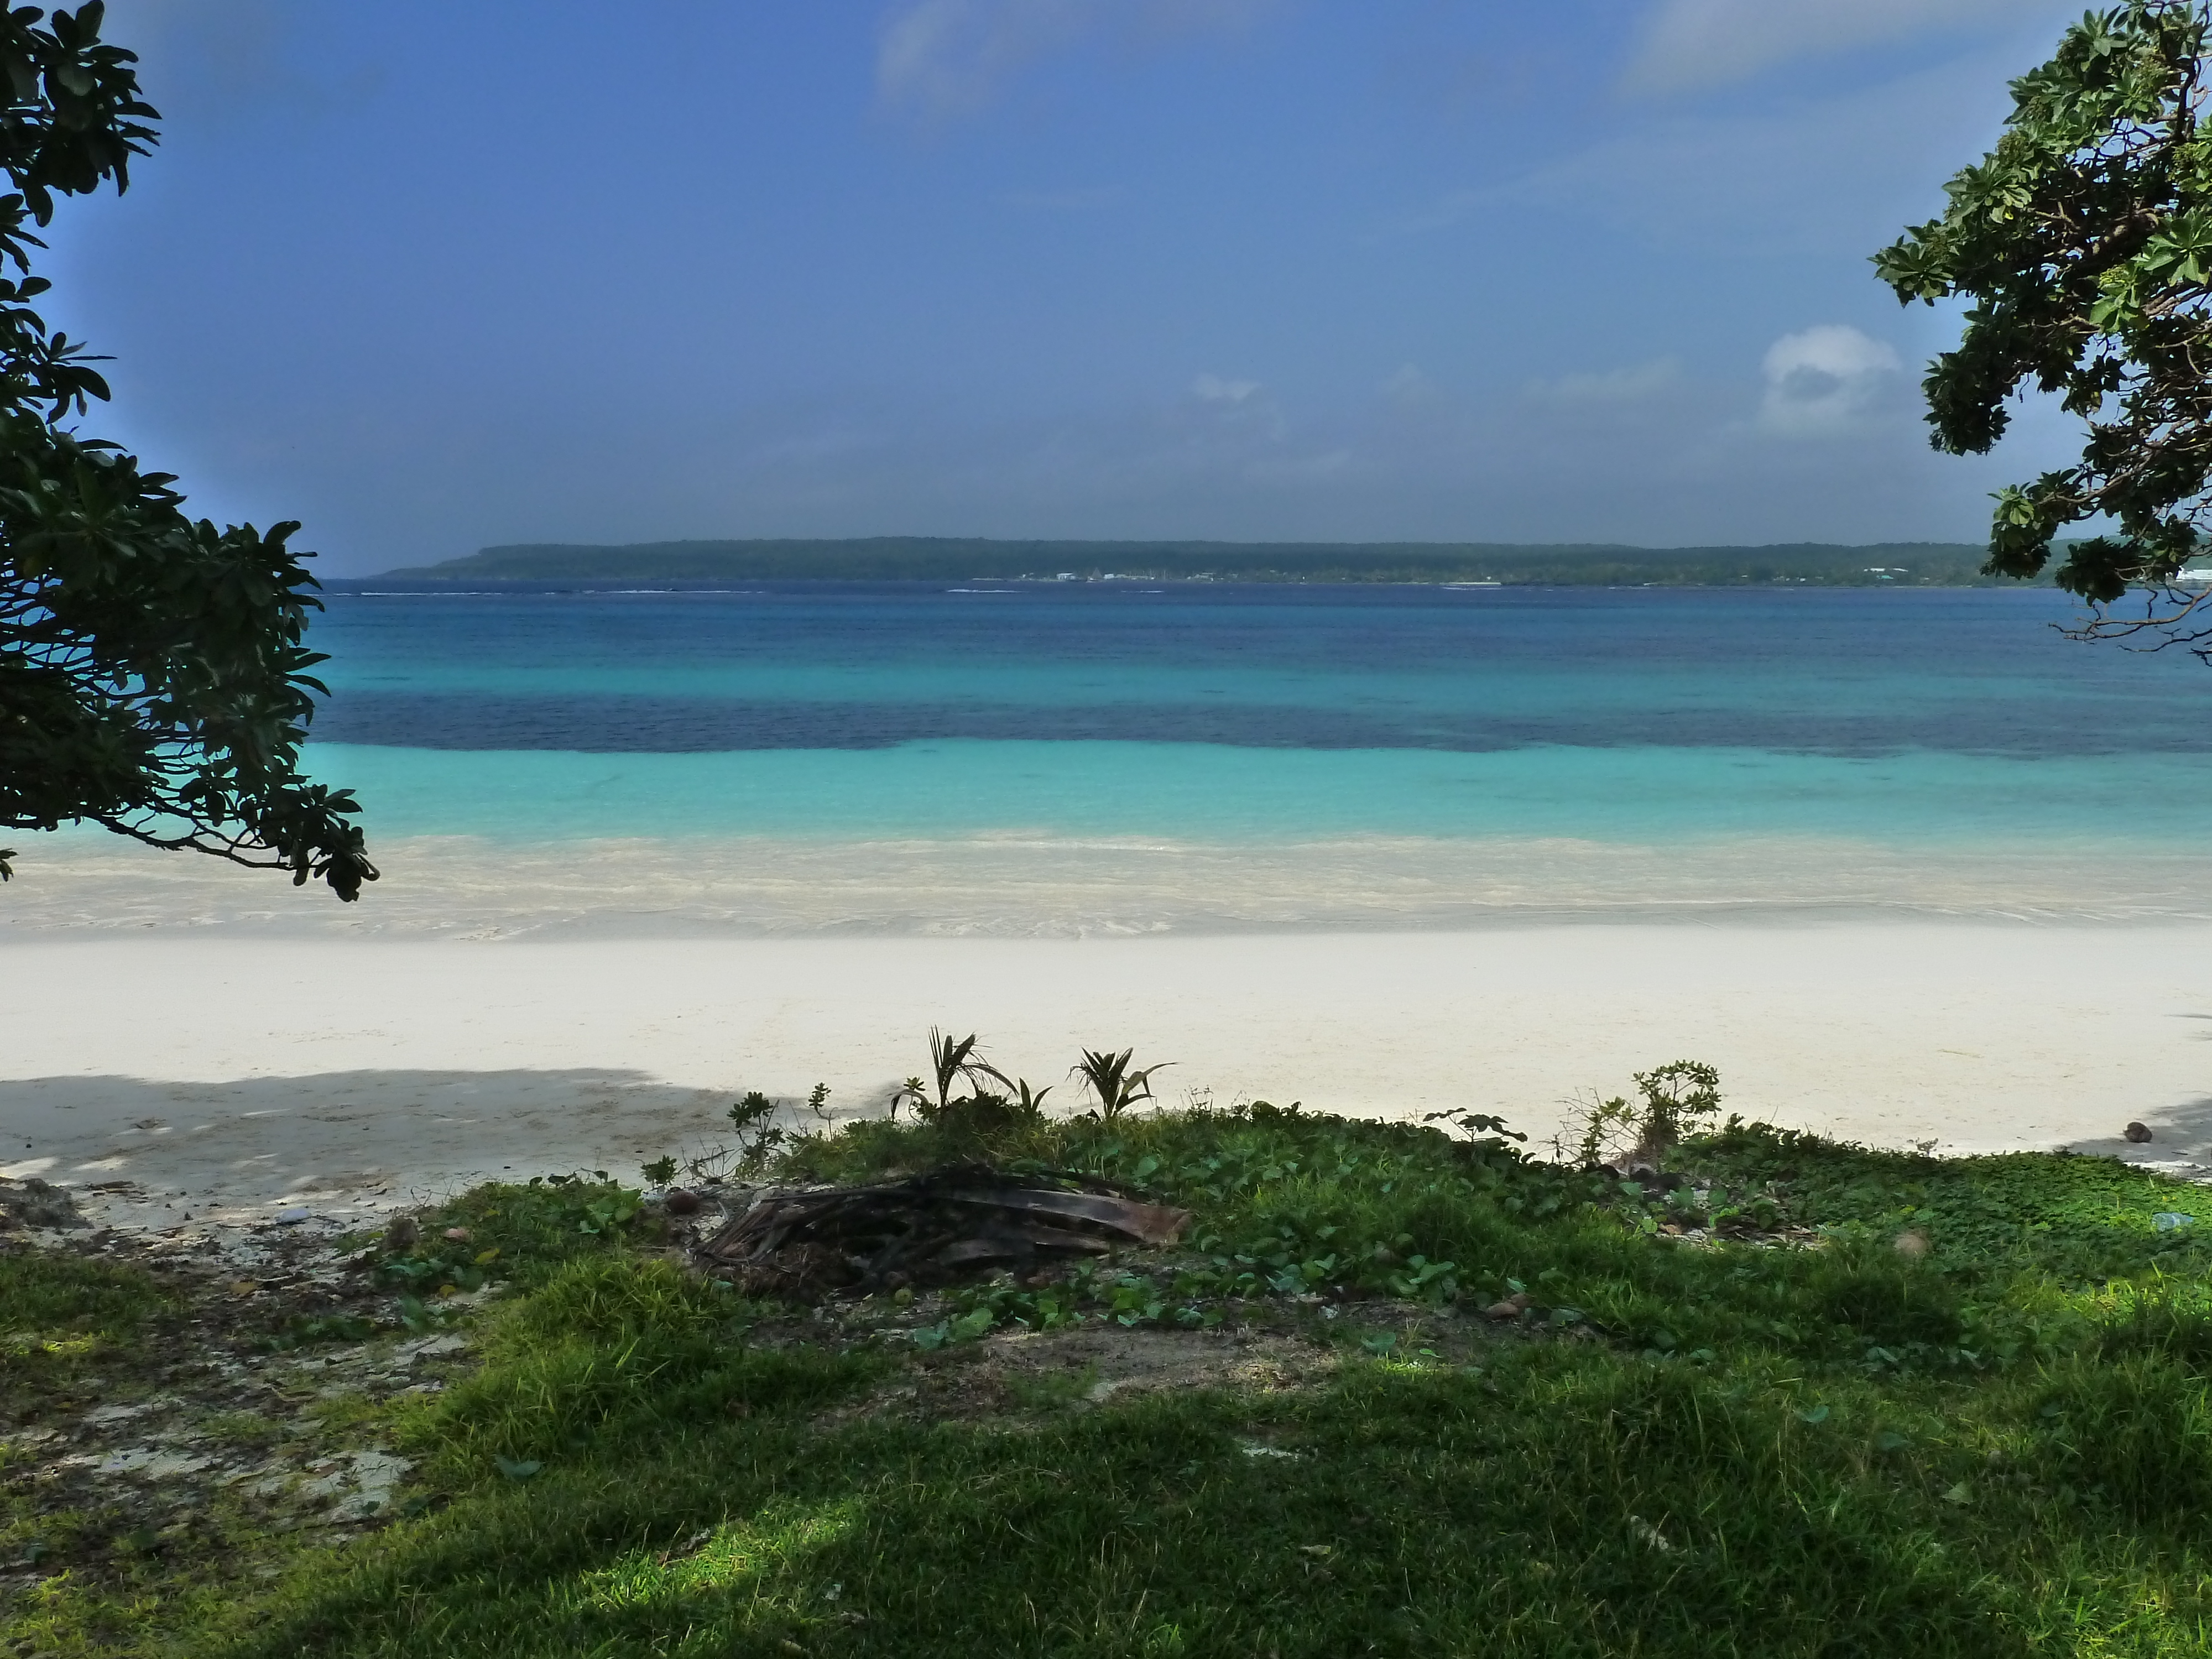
{"x":51,"y":1297}
{"x":1795,"y":1439}
{"x":60,"y":1314}
{"x":517,"y":1231}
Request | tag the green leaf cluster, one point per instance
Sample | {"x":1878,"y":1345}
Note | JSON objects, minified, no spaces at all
{"x":2084,"y":244}
{"x":153,"y":674}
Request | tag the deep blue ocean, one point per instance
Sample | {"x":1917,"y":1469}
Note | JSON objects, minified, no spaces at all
{"x":1232,"y":714}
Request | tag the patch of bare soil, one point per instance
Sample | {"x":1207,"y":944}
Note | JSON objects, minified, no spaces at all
{"x":246,"y":1409}
{"x":1003,"y":1374}
{"x":1276,"y":1348}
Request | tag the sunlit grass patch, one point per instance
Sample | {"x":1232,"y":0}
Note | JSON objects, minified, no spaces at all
{"x":761,"y":1559}
{"x":2076,"y":1217}
{"x":618,"y":1348}
{"x":60,"y":1313}
{"x":47,"y":1296}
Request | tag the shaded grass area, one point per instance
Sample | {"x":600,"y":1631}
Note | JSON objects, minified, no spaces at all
{"x":73,"y":1332}
{"x":1552,"y":1504}
{"x":1736,"y":1418}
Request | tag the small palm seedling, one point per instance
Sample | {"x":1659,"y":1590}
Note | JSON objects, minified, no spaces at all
{"x":951,"y":1060}
{"x":1117,"y":1086}
{"x":758,"y":1137}
{"x":988,"y":1116}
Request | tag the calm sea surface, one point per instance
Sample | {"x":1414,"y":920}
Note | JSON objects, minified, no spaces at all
{"x":1248,"y":715}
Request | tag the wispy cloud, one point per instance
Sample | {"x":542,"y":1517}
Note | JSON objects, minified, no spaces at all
{"x":1222,"y":407}
{"x":1691,"y":44}
{"x":1834,"y":174}
{"x":1214,"y":389}
{"x":941,"y":59}
{"x":1630,"y":383}
{"x":1824,"y":381}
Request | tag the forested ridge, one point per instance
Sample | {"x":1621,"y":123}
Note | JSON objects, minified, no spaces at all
{"x":927,"y":558}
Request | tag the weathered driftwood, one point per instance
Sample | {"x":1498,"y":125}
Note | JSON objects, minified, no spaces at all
{"x":926,"y":1229}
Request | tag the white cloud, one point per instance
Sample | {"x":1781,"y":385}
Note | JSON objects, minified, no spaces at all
{"x":1692,"y":44}
{"x":1824,"y":379}
{"x":1630,"y":383}
{"x":943,"y":58}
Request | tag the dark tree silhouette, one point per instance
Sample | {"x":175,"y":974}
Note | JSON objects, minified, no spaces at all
{"x":2084,"y":241}
{"x":154,"y":677}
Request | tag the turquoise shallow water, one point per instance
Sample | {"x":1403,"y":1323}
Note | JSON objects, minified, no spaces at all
{"x":1110,"y":759}
{"x":1277,"y":714}
{"x":1203,"y":793}
{"x":833,"y":667}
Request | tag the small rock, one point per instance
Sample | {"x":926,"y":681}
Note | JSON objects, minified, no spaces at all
{"x":1512,"y":1307}
{"x":147,"y":1463}
{"x":357,"y":1485}
{"x":103,"y":1416}
{"x":36,"y":1203}
{"x":678,"y":1200}
{"x":2137,"y":1132}
{"x":291,"y":1217}
{"x":457,"y":1235}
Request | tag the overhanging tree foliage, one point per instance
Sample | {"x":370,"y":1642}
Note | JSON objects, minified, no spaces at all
{"x":2084,"y":241}
{"x":153,"y":674}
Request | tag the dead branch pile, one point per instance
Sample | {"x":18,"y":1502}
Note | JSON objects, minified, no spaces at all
{"x":926,"y":1229}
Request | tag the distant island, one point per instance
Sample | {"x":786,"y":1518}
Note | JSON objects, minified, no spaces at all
{"x":930,"y":558}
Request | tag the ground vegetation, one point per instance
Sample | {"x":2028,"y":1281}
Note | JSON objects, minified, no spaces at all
{"x":1398,"y":1388}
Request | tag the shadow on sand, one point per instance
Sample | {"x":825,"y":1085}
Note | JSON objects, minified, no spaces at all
{"x":346,"y":1140}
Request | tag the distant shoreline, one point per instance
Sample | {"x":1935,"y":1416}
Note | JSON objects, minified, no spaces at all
{"x":912,"y":558}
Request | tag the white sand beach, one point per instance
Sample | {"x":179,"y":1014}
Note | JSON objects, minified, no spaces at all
{"x":226,"y":1075}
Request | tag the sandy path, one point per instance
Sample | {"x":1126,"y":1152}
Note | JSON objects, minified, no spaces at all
{"x":230,"y":1075}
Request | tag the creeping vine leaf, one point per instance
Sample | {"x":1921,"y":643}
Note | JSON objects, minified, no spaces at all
{"x":154,"y":676}
{"x":2084,"y":242}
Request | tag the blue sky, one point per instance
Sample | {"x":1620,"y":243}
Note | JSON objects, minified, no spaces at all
{"x":431,"y":276}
